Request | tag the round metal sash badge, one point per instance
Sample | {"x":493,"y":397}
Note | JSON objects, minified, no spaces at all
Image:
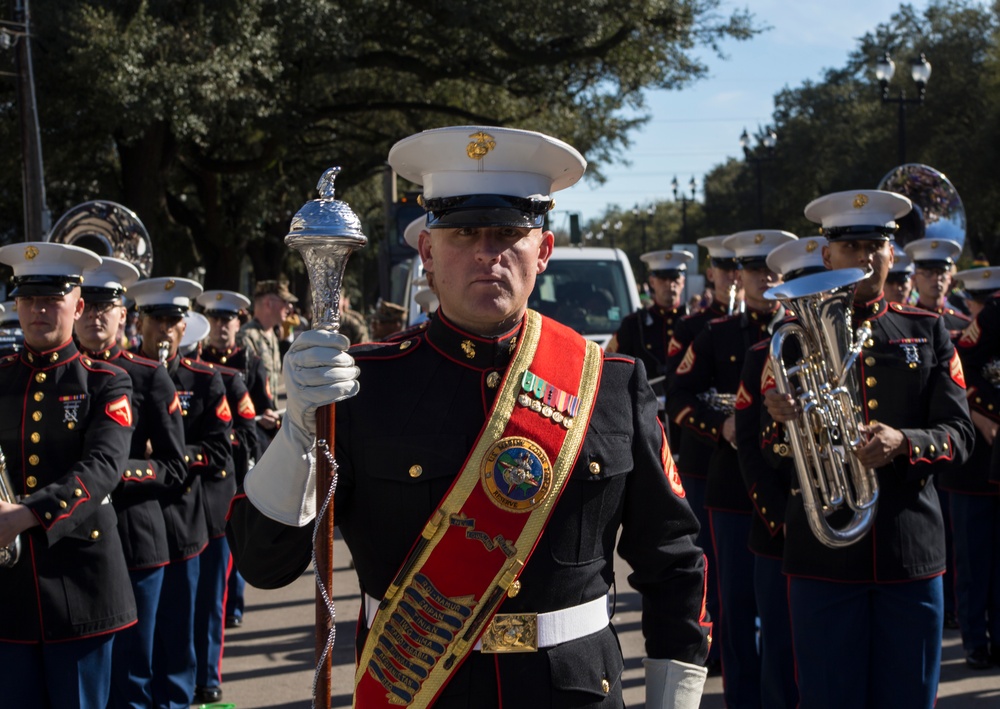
{"x":517,"y":474}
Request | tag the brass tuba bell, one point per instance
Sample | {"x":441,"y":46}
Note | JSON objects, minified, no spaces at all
{"x":938,"y":212}
{"x":824,"y":380}
{"x":107,"y":229}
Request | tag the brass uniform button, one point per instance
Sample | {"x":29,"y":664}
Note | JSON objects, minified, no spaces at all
{"x":40,"y":377}
{"x":869,"y":342}
{"x":184,"y":412}
{"x":199,"y":457}
{"x":33,"y":460}
{"x":149,"y":471}
{"x":913,"y":365}
{"x":416,"y":471}
{"x":872,"y":404}
{"x":36,"y":437}
{"x":763,"y":510}
{"x":732,"y":358}
{"x":870,"y":382}
{"x":223,"y":360}
{"x":916,"y":449}
{"x":95,"y":535}
{"x":404,"y":344}
{"x":38,"y":396}
{"x":944,"y":446}
{"x":70,"y":425}
{"x":32,"y":481}
{"x":595,"y":468}
{"x":187,"y":459}
{"x":222,"y":474}
{"x":870,"y":361}
{"x":492,"y":379}
{"x":605,"y":685}
{"x":701,"y":425}
{"x":128,"y":473}
{"x":36,"y":415}
{"x":63,"y":504}
{"x":931,"y":449}
{"x":48,"y":515}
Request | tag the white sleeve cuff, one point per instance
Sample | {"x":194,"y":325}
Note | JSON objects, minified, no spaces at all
{"x":282,"y":485}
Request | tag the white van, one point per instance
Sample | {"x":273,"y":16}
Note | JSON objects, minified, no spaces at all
{"x":587,"y":289}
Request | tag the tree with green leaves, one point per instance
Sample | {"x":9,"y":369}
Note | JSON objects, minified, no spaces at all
{"x":213,"y":121}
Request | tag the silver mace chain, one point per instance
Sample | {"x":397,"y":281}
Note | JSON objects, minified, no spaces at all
{"x":324,"y":592}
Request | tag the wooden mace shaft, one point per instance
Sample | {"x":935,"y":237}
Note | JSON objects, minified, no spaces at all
{"x":325,"y":420}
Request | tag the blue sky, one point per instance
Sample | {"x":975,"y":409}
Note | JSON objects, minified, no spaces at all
{"x":692,"y":130}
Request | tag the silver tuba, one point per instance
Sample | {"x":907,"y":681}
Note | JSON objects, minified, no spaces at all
{"x":12,"y":552}
{"x":938,"y":212}
{"x":824,"y":381}
{"x":107,"y":229}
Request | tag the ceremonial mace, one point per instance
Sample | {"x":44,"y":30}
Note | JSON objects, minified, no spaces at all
{"x":325,"y":231}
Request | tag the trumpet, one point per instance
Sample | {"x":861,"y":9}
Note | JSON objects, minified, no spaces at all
{"x":824,"y":379}
{"x":163,"y":351}
{"x":12,"y":552}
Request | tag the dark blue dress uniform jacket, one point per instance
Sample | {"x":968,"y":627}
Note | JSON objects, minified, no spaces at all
{"x":255,"y":377}
{"x":423,"y":403}
{"x":979,"y":346}
{"x":65,"y":428}
{"x":768,"y":487}
{"x":156,"y":410}
{"x":645,"y":335}
{"x":220,"y":487}
{"x":695,"y":451}
{"x":910,"y":379}
{"x":206,"y":415}
{"x":715,"y":360}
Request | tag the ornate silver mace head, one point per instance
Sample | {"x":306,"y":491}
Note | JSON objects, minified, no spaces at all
{"x":325,"y":231}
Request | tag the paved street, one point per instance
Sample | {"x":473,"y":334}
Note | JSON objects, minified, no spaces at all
{"x":269,"y":661}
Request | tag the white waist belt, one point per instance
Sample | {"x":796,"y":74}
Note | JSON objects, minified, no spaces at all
{"x":553,"y":628}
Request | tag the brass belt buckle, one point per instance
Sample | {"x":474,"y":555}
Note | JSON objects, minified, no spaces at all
{"x":511,"y":632}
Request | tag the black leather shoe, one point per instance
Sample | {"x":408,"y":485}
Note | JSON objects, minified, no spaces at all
{"x":950,"y":621}
{"x":233,"y":621}
{"x":979,"y":659}
{"x":207,"y":695}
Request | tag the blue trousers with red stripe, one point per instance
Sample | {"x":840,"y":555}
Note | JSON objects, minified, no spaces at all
{"x":867,"y":645}
{"x":65,"y":675}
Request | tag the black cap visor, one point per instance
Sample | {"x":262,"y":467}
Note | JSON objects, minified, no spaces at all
{"x":898,"y":277}
{"x":222,"y":314}
{"x":44,"y":285}
{"x":753,"y":263}
{"x":727,"y":264}
{"x":669,"y":274}
{"x":860,"y":232}
{"x":163,"y":310}
{"x":799,"y":272}
{"x":486,"y":210}
{"x":94,"y":294}
{"x":942,"y":264}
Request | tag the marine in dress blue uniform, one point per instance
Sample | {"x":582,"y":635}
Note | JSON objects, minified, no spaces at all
{"x":694,"y":451}
{"x":974,"y":490}
{"x":162,"y":303}
{"x":874,"y":609}
{"x":65,"y":427}
{"x":702,"y":399}
{"x":447,"y":374}
{"x":769,"y":494}
{"x":210,"y":604}
{"x":934,"y":262}
{"x":155,"y":464}
{"x":899,"y":283}
{"x":222,"y":308}
{"x":645,"y":334}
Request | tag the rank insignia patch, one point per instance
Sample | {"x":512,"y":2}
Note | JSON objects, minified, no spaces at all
{"x":673,"y":347}
{"x":223,"y":411}
{"x":970,"y":335}
{"x":687,"y":364}
{"x":120,"y":411}
{"x":670,"y":468}
{"x":956,"y":371}
{"x":767,"y":377}
{"x":245,"y":408}
{"x":516,"y":474}
{"x":175,"y":405}
{"x":743,"y":398}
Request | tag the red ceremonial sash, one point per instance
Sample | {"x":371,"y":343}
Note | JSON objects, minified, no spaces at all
{"x":474,"y":546}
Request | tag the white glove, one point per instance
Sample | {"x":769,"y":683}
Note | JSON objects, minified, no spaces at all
{"x":283,"y":483}
{"x":671,"y":684}
{"x":318,"y":371}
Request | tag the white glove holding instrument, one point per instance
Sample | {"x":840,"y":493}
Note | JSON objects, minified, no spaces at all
{"x":317,"y":371}
{"x":671,"y":684}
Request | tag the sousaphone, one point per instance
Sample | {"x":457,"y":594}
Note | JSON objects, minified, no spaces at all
{"x":107,"y":229}
{"x":937,"y":213}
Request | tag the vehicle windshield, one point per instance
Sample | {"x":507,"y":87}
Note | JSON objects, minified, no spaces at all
{"x":588,"y":295}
